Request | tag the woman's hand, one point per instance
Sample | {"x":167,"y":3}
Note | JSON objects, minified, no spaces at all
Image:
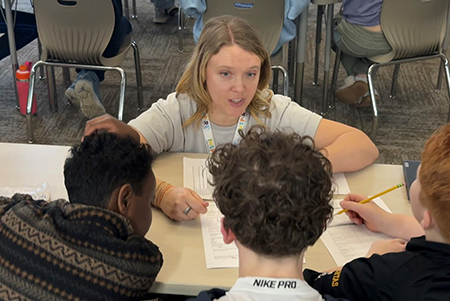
{"x":112,"y":125}
{"x":177,"y":199}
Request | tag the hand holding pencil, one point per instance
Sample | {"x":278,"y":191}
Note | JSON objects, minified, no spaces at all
{"x":375,"y":196}
{"x":368,"y":213}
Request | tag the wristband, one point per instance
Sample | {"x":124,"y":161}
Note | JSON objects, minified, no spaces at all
{"x":161,"y":190}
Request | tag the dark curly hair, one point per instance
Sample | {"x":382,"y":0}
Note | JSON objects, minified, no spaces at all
{"x":274,"y":190}
{"x":102,"y":163}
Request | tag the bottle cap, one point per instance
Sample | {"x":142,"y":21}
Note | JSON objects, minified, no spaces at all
{"x":23,"y":73}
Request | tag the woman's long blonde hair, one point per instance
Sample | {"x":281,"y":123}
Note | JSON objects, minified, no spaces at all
{"x":219,"y":32}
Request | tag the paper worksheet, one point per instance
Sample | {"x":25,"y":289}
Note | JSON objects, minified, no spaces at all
{"x":196,"y":176}
{"x":217,"y":253}
{"x":340,"y":185}
{"x":346,"y":241}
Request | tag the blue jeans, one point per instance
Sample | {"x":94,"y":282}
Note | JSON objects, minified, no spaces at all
{"x":122,"y":27}
{"x":163,"y":4}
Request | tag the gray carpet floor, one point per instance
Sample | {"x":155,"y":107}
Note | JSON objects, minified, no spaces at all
{"x":405,"y":123}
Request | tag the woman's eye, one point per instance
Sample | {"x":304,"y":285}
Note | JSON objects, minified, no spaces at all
{"x":225,"y":74}
{"x":251,"y":74}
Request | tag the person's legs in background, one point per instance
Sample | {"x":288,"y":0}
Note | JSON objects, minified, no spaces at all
{"x":356,"y":44}
{"x":164,"y":10}
{"x":85,"y":89}
{"x":85,"y":92}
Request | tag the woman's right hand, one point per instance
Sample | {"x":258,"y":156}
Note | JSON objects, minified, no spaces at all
{"x":112,"y":125}
{"x":369,"y":214}
{"x":177,"y":199}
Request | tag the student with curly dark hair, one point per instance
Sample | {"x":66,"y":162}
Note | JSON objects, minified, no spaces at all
{"x":113,"y":173}
{"x":94,"y":247}
{"x":274,"y":190}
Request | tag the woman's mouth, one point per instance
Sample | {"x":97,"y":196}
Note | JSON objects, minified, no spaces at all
{"x":237,"y":102}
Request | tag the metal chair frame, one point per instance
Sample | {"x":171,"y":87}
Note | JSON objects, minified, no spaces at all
{"x":322,"y":6}
{"x":182,"y":20}
{"x":52,"y":86}
{"x":127,"y":9}
{"x":371,"y":75}
{"x":55,"y":52}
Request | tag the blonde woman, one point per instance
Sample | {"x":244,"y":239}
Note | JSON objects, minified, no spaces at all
{"x":222,"y":90}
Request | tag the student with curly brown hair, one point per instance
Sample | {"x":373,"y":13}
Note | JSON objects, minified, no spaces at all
{"x":422,"y":271}
{"x":274,"y":190}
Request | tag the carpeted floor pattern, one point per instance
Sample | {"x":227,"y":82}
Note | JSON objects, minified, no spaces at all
{"x":405,"y":122}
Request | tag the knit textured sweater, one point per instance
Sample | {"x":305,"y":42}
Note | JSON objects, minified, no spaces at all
{"x":64,"y":251}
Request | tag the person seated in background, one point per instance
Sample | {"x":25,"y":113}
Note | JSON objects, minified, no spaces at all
{"x":92,"y":248}
{"x":85,"y":88}
{"x":164,"y":10}
{"x":358,"y":34}
{"x":224,"y":89}
{"x":274,"y":190}
{"x":422,"y":272}
{"x":292,"y":9}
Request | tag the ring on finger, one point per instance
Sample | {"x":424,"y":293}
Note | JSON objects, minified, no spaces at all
{"x":187,"y":210}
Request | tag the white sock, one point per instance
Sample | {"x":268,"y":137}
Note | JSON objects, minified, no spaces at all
{"x":361,"y":79}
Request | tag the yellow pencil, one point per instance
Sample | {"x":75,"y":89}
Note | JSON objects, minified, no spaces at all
{"x":375,"y":196}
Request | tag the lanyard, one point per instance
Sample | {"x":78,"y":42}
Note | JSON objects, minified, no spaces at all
{"x":207,"y":132}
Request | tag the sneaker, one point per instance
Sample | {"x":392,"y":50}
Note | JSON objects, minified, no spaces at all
{"x":351,"y":91}
{"x":88,"y":94}
{"x":71,"y":94}
{"x":172,"y":11}
{"x":163,"y":15}
{"x":160,"y":17}
{"x":355,"y":92}
{"x":365,"y":101}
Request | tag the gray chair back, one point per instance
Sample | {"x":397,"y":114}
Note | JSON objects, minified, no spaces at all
{"x":413,"y":27}
{"x":68,"y":38}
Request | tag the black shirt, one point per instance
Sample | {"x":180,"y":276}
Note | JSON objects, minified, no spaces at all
{"x":422,"y":272}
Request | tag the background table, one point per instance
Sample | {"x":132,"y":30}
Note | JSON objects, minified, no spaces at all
{"x":184,"y":270}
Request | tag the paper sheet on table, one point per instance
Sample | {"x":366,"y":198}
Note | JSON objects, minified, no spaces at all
{"x":340,"y":185}
{"x":217,"y":253}
{"x":346,"y":241}
{"x":36,"y":191}
{"x":196,"y":176}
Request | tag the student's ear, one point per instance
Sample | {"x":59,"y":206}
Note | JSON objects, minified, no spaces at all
{"x":228,"y":235}
{"x":427,"y":220}
{"x":124,"y":198}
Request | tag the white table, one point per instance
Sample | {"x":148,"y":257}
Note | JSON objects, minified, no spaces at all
{"x":26,"y":165}
{"x":184,"y":270}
